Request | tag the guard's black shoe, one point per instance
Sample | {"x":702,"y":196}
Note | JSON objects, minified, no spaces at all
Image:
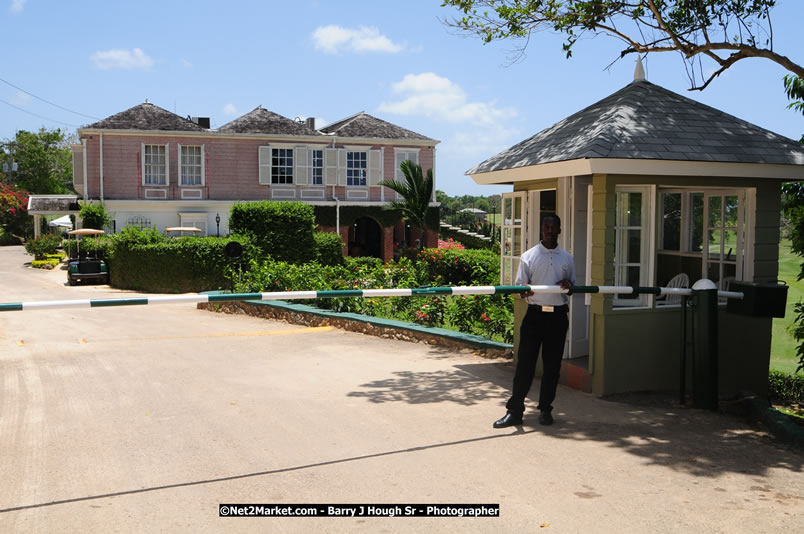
{"x":508,"y":419}
{"x":545,"y":418}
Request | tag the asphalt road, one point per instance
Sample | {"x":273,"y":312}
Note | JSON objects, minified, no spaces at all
{"x":142,"y":419}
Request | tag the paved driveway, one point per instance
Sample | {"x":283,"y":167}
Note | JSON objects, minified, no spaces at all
{"x":138,"y":419}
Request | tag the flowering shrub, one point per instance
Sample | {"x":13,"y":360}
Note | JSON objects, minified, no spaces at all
{"x":497,"y":321}
{"x":456,"y":267}
{"x":431,"y":312}
{"x":450,"y":243}
{"x":14,"y":210}
{"x":490,"y":316}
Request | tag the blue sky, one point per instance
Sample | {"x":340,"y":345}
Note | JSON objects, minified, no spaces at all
{"x":331,"y":59}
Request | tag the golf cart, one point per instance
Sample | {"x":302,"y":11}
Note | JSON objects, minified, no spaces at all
{"x":86,"y":266}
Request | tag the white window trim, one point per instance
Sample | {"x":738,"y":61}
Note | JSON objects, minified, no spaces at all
{"x":167,"y":164}
{"x":749,"y":225}
{"x":686,"y":208}
{"x":523,"y":227}
{"x":203,"y":167}
{"x":746,"y":202}
{"x":282,"y":146}
{"x":310,"y":166}
{"x":647,"y":256}
{"x":365,"y":150}
{"x":535,"y":216}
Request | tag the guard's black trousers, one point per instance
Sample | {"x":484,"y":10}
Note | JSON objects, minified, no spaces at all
{"x":548,"y":331}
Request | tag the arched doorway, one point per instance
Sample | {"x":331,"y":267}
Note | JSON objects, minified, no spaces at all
{"x":365,"y":238}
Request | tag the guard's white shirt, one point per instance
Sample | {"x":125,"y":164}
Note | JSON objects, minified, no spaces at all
{"x":544,"y":266}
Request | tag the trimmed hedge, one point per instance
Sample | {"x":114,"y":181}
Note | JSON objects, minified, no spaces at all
{"x":283,"y":230}
{"x":50,"y":261}
{"x":175,"y":265}
{"x":329,"y":248}
{"x":785,"y":387}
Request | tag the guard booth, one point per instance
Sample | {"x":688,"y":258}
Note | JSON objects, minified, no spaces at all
{"x":653,"y":187}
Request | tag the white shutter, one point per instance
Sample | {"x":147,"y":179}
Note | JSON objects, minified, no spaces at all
{"x":341,"y":166}
{"x":302,"y":165}
{"x":330,"y":166}
{"x":203,"y":168}
{"x":180,"y":179}
{"x":265,"y":165}
{"x":142,"y":162}
{"x":167,"y":163}
{"x":399,"y":157}
{"x":374,"y":167}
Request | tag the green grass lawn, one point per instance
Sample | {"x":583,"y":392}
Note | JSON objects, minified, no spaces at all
{"x":783,"y":346}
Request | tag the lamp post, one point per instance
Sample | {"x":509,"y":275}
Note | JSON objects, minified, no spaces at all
{"x":11,"y":165}
{"x":218,"y":224}
{"x":493,"y":218}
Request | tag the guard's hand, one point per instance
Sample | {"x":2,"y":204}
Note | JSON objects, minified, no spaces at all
{"x":565,"y":284}
{"x":527,"y":294}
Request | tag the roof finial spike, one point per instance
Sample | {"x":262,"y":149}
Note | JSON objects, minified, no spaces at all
{"x":639,"y":72}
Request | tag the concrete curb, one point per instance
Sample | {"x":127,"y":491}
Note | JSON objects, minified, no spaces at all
{"x":778,"y":423}
{"x":377,"y":326}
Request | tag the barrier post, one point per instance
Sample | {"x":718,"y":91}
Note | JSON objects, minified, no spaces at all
{"x":705,"y":380}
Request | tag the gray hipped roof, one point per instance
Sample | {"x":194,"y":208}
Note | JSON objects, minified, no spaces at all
{"x":364,"y":125}
{"x":147,"y":116}
{"x":262,"y":121}
{"x":645,"y":121}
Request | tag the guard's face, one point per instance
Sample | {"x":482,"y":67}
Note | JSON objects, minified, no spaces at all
{"x":550,"y":230}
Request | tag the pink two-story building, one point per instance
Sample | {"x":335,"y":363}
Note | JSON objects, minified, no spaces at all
{"x":154,"y":169}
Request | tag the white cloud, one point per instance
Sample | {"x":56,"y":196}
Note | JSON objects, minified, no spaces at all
{"x":186,"y":64}
{"x":434,"y":96}
{"x":333,"y":39}
{"x":17,"y":6}
{"x":21,"y":99}
{"x":118,"y":58}
{"x":486,"y":127}
{"x":481,"y":143}
{"x":230,"y":109}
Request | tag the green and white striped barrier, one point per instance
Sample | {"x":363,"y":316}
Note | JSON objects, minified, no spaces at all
{"x":309,"y":295}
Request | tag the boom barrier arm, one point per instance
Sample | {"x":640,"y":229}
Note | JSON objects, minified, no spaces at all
{"x":311,"y":295}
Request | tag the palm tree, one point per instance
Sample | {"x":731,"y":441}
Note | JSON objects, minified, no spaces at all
{"x":416,"y":192}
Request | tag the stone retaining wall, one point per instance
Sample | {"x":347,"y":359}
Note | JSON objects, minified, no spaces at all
{"x":345,"y":323}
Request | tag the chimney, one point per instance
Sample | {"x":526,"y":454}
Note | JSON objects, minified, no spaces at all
{"x":310,"y":122}
{"x":201,"y":121}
